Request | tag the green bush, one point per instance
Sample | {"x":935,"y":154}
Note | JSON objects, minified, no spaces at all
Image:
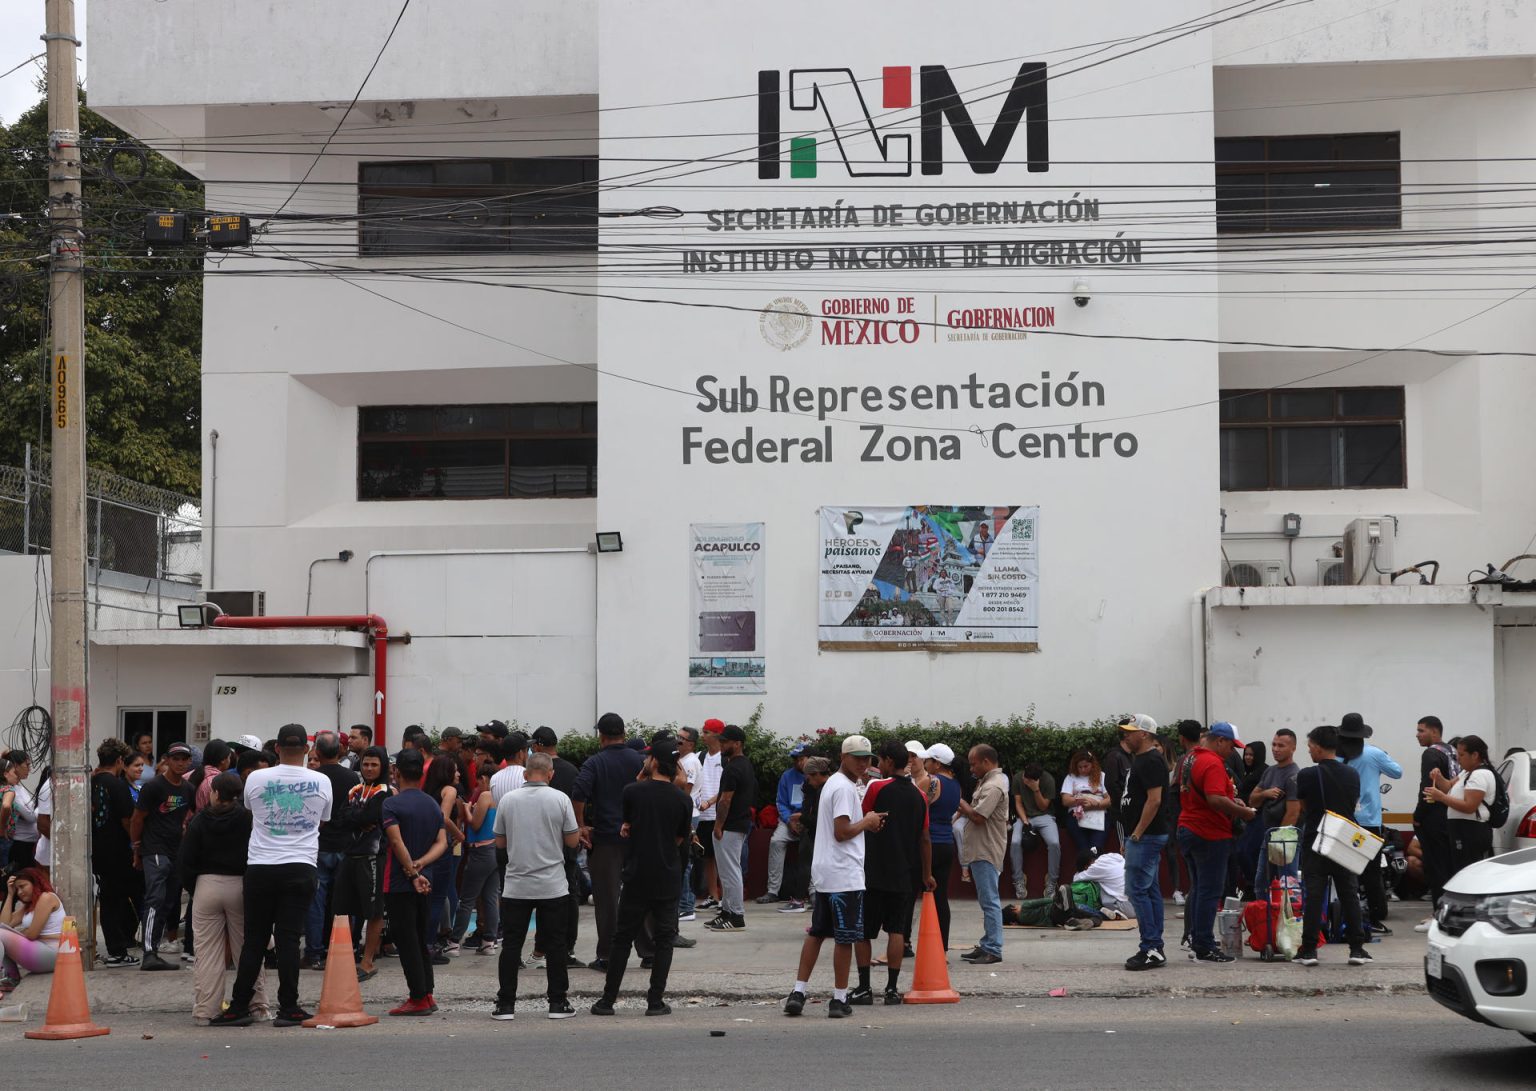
{"x":1019,"y":740}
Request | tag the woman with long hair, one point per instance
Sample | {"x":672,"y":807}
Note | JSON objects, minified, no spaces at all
{"x":1086,"y":799}
{"x":31,"y":922}
{"x":1467,"y":801}
{"x":213,"y":855}
{"x":24,"y":835}
{"x":441,"y":784}
{"x":481,"y":886}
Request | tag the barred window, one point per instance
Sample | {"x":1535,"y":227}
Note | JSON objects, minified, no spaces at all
{"x":1312,"y":438}
{"x":472,"y":452}
{"x":1308,"y":183}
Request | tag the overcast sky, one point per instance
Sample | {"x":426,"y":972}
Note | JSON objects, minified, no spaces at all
{"x":21,"y":22}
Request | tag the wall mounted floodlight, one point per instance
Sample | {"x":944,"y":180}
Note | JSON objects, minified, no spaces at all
{"x":197,"y":616}
{"x":610,"y":541}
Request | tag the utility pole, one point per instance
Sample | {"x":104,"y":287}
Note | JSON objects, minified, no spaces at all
{"x":70,"y":835}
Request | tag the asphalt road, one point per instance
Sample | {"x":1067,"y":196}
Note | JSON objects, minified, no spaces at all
{"x":1396,"y":1043}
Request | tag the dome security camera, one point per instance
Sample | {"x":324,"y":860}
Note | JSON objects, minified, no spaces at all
{"x":1081,"y":293}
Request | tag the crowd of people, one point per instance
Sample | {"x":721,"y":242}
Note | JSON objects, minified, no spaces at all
{"x":242,"y":856}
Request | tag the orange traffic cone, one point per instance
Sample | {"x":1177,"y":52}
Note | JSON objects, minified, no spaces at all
{"x":69,"y":1012}
{"x":341,"y":1001}
{"x":930,"y":975}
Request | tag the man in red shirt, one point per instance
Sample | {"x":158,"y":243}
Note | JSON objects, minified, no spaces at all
{"x":1206,"y":811}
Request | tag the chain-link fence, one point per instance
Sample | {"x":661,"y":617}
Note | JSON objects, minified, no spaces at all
{"x":132,"y":528}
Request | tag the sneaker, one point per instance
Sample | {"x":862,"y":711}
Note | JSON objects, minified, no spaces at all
{"x":503,"y":1012}
{"x":838,"y":1009}
{"x":598,"y":964}
{"x":684,"y":918}
{"x":1307,"y":956}
{"x":727,"y":922}
{"x":1063,"y":897}
{"x":1359,"y":956}
{"x":603,"y":1006}
{"x":706,"y":903}
{"x":985,"y":958}
{"x":661,"y":1007}
{"x":1178,"y":897}
{"x":1423,"y":925}
{"x":1114,"y":915}
{"x":490,"y":947}
{"x":232,"y":1018}
{"x":1379,"y":929}
{"x":794,"y":1003}
{"x":970,"y":956}
{"x":293,"y":1017}
{"x":169,"y":946}
{"x":860,"y":996}
{"x":1147,"y":960}
{"x":189,"y":958}
{"x":118,"y":962}
{"x":1184,"y":944}
{"x":451,"y":949}
{"x":423,"y":1006}
{"x":794,"y":905}
{"x":572,"y":961}
{"x":1080,"y":924}
{"x":647,"y":962}
{"x":892,"y":998}
{"x":767,"y":899}
{"x":1214,"y":955}
{"x":153,"y":961}
{"x":311,"y":962}
{"x":561,"y":1009}
{"x":536,"y":961}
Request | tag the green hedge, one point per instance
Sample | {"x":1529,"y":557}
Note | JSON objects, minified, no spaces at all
{"x":1019,"y":740}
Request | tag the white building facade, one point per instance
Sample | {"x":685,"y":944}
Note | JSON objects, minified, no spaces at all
{"x":513,"y":300}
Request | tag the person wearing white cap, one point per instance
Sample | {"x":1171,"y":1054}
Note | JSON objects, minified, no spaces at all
{"x":837,"y":870}
{"x":939,"y":759}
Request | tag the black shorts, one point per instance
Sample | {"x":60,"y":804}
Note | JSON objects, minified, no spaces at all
{"x":838,"y":917}
{"x":356,"y":893}
{"x":890,"y":910}
{"x":707,"y":837}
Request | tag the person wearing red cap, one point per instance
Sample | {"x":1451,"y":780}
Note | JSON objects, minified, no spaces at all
{"x":1206,"y":809}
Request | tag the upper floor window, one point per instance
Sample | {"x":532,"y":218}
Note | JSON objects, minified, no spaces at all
{"x":468,"y":452}
{"x":475,"y":206}
{"x":1312,"y":438}
{"x":1308,"y":183}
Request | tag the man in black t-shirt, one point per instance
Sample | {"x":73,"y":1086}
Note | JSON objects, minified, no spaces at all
{"x":159,"y":818}
{"x":1429,"y":818}
{"x":112,"y":853}
{"x":1329,"y":785}
{"x":898,"y":863}
{"x":658,"y":822}
{"x":1146,"y":834}
{"x":733,"y":821}
{"x":333,"y":849}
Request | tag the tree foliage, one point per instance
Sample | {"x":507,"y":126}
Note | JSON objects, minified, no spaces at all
{"x":143,"y":310}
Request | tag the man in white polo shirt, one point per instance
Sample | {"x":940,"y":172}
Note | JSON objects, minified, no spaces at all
{"x":287,"y":805}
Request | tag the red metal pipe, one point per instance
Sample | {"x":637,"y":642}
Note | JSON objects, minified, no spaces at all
{"x":373,"y":624}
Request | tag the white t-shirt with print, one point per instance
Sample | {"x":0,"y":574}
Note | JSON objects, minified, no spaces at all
{"x":692,"y":768}
{"x":838,"y":866}
{"x":287,"y":805}
{"x":1074,"y":785}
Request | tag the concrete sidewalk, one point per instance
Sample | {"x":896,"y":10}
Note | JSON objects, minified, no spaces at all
{"x":758,"y":965}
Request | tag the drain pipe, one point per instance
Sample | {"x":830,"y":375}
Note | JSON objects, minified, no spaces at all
{"x":213,"y":500}
{"x":378,"y":633}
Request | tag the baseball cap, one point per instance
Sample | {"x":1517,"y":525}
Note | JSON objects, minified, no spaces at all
{"x":179,"y":750}
{"x":496,"y":728}
{"x":915,"y":747}
{"x":452,"y":733}
{"x":292,"y":735}
{"x":858,"y":746}
{"x":545,"y":736}
{"x":246,"y":742}
{"x":662,"y":746}
{"x":734,"y":734}
{"x":941,"y":753}
{"x":1224,"y":730}
{"x":714,"y":727}
{"x":636,"y":743}
{"x":1139,"y":722}
{"x":799,"y":748}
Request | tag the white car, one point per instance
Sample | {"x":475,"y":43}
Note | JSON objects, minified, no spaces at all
{"x":1517,"y":770}
{"x":1481,"y":961}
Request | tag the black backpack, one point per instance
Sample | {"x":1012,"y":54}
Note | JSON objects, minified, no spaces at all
{"x":1498,"y":810}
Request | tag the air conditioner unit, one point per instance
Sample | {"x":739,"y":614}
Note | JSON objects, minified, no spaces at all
{"x":1330,"y":572}
{"x":1246,"y":573}
{"x":1368,"y":551}
{"x":239,"y":603}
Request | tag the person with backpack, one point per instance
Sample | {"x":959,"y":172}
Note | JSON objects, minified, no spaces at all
{"x":1429,"y":819}
{"x":1329,"y":785}
{"x":1469,"y":801}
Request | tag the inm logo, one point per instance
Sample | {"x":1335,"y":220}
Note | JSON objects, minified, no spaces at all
{"x":870,"y":150}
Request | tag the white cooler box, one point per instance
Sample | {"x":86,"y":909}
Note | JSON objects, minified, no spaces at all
{"x":1345,"y":843}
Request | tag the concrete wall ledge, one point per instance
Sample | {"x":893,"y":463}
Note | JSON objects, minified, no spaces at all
{"x":1365,"y":595}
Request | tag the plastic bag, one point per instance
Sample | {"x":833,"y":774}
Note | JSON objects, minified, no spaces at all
{"x":1282,"y":845}
{"x":1287,"y":931}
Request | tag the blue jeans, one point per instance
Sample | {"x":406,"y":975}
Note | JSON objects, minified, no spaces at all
{"x":984,"y":875}
{"x":1141,"y":887}
{"x":316,"y":942}
{"x":686,"y":902}
{"x":1207,"y":876}
{"x":1084,"y":838}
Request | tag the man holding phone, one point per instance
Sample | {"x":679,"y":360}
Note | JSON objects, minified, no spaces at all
{"x":837,"y":872}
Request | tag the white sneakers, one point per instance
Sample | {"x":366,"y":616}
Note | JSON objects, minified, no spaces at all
{"x":1423,"y":925}
{"x":1178,"y":897}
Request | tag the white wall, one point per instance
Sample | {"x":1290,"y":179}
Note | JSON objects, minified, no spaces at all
{"x":1347,"y":32}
